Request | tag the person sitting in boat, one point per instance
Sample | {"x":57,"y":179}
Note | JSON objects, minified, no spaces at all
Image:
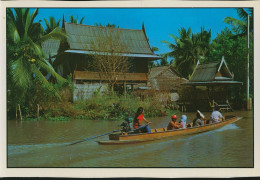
{"x":183,"y":121}
{"x":200,"y":119}
{"x":139,"y":118}
{"x":216,"y":116}
{"x":173,"y":124}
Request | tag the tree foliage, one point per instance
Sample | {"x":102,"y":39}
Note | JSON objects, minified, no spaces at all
{"x":110,"y":62}
{"x":76,"y":20}
{"x":26,"y":63}
{"x":232,"y":44}
{"x":188,"y":48}
{"x":51,"y":24}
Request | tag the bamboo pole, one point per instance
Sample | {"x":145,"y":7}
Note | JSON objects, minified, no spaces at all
{"x":247,"y":80}
{"x":20,"y":112}
{"x":38,"y":110}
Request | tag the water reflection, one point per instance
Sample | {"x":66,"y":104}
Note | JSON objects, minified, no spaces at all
{"x":45,"y":144}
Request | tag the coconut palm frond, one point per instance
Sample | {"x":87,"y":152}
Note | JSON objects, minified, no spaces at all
{"x":242,"y":14}
{"x":174,"y":37}
{"x":36,"y":49}
{"x":47,"y":24}
{"x":40,"y":79}
{"x":57,"y":34}
{"x":81,"y":21}
{"x":234,"y":22}
{"x":19,"y":71}
{"x":13,"y":33}
{"x":45,"y":65}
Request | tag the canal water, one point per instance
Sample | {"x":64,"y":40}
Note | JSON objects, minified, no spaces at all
{"x":45,"y":144}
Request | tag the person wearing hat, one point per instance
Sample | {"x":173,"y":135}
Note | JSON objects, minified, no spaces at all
{"x":200,"y":119}
{"x":173,"y":124}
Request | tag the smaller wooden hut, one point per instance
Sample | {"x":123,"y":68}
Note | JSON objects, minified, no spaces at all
{"x":210,"y":82}
{"x":165,"y":78}
{"x":164,"y":83}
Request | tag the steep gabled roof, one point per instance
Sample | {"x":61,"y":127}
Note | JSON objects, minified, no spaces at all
{"x":81,"y":37}
{"x":211,"y":71}
{"x":204,"y":72}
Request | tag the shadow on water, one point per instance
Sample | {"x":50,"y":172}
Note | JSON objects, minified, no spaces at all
{"x":46,"y":145}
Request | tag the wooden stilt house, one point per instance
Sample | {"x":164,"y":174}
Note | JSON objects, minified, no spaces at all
{"x":210,"y":82}
{"x":75,"y":57}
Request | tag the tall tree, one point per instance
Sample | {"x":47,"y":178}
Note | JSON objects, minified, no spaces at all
{"x":239,"y":26}
{"x":108,"y":25}
{"x":51,"y":24}
{"x":234,"y":50}
{"x":188,"y":48}
{"x":164,"y":61}
{"x":75,"y":19}
{"x":110,"y":63}
{"x":26,"y":61}
{"x":151,"y":63}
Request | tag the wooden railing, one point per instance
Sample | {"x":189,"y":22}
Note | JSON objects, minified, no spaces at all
{"x":86,"y":75}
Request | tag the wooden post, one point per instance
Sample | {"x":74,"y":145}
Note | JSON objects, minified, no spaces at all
{"x":38,"y":109}
{"x":16,"y":112}
{"x":125,"y":89}
{"x":248,"y":102}
{"x":20,"y":112}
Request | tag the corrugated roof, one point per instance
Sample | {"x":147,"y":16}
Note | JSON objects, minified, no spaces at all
{"x":149,"y":56}
{"x":205,"y":72}
{"x":81,"y":37}
{"x":212,"y":83}
{"x":50,"y":47}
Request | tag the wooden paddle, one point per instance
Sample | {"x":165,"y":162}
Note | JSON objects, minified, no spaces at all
{"x":94,"y":137}
{"x":100,"y":136}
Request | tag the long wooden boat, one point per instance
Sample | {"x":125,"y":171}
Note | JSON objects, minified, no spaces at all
{"x":131,"y":137}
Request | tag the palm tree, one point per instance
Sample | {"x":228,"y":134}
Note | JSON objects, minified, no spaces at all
{"x":241,"y":29}
{"x":239,"y":26}
{"x":187,"y":49}
{"x":26,"y":61}
{"x":75,"y":20}
{"x":51,"y":25}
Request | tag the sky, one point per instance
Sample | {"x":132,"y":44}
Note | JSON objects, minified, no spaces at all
{"x":159,"y":22}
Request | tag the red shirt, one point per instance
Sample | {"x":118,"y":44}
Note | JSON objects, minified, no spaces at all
{"x":140,"y":118}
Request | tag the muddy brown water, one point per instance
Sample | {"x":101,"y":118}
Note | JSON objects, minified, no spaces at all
{"x":45,"y":144}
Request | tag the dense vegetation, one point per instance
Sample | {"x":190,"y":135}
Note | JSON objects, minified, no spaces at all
{"x":32,"y":78}
{"x":188,"y":48}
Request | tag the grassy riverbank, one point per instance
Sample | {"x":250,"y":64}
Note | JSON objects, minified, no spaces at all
{"x":106,"y":107}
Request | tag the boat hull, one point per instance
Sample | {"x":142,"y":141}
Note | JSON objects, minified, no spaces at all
{"x":156,"y":134}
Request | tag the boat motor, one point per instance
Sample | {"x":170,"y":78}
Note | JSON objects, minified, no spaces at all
{"x":126,"y":126}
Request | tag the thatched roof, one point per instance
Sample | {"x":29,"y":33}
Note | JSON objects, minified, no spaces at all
{"x":165,"y":78}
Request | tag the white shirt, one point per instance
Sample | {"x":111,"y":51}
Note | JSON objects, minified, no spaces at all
{"x":183,"y":124}
{"x":215,"y":116}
